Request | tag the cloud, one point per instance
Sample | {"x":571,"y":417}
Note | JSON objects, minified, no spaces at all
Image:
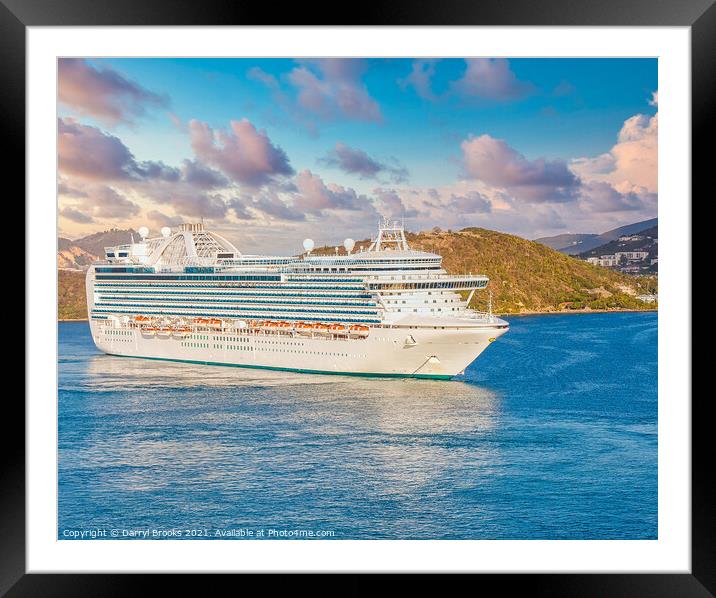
{"x":198,"y":174}
{"x":332,"y":88}
{"x":89,"y":153}
{"x":491,"y":79}
{"x":103,"y":92}
{"x":64,"y":189}
{"x":243,"y":154}
{"x":391,"y":205}
{"x":633,"y":159}
{"x":106,"y":203}
{"x":160,"y":220}
{"x":75,"y":215}
{"x":96,"y":202}
{"x":258,"y":74}
{"x":598,"y":196}
{"x":185,"y":199}
{"x":271,"y":204}
{"x":494,"y":162}
{"x":355,"y":161}
{"x":238,"y":206}
{"x":421,"y":78}
{"x":178,"y":123}
{"x":472,"y":202}
{"x":313,"y":195}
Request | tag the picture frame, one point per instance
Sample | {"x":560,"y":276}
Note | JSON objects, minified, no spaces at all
{"x":700,"y":15}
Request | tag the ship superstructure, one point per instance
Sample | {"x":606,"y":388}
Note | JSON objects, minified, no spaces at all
{"x":191,"y":295}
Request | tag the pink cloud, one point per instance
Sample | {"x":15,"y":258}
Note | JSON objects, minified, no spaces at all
{"x":89,"y":153}
{"x":391,"y":205}
{"x":335,"y":89}
{"x":355,"y":161}
{"x":494,"y":162}
{"x":491,"y":79}
{"x":95,"y":201}
{"x":313,"y":195}
{"x":633,"y":160}
{"x":242,"y":153}
{"x":421,"y":79}
{"x":103,"y":92}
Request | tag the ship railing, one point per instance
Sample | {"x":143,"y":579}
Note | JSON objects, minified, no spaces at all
{"x":483,"y":316}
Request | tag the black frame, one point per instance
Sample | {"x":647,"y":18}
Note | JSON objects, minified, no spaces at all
{"x":700,"y":15}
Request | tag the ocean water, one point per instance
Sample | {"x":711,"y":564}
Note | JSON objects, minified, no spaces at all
{"x":550,"y":434}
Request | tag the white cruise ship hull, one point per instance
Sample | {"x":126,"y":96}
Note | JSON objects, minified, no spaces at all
{"x":394,"y":352}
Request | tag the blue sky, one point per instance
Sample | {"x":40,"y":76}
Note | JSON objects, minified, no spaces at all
{"x":569,"y":134}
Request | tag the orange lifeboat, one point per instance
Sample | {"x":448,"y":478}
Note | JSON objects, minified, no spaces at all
{"x":181,"y":332}
{"x":141,"y":319}
{"x":358,"y":330}
{"x":321,"y":328}
{"x":303,"y":327}
{"x":337,"y":328}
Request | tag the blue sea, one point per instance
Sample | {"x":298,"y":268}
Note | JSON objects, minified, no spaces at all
{"x":550,"y":434}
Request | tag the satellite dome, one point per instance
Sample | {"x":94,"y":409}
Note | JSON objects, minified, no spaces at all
{"x":143,"y":232}
{"x":349,"y":244}
{"x":308,"y":245}
{"x":166,"y":231}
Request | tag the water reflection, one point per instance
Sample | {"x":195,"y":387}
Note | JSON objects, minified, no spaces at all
{"x":240,"y":431}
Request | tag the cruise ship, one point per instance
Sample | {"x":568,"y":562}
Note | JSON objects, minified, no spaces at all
{"x":384,"y":310}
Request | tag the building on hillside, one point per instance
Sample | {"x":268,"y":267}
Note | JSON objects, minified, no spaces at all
{"x":632,"y":256}
{"x":606,"y":261}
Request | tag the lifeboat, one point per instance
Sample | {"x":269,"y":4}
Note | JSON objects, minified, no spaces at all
{"x":285,"y":326}
{"x":181,"y":332}
{"x":148,"y":331}
{"x":303,"y":328}
{"x":141,"y":319}
{"x":358,"y":330}
{"x":164,"y":332}
{"x":337,"y":328}
{"x":321,"y":328}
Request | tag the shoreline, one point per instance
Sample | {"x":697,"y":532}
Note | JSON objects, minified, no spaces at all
{"x":577,"y":312}
{"x":506,"y":315}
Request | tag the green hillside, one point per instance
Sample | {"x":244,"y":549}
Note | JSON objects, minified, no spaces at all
{"x":527,"y":276}
{"x":71,"y":298}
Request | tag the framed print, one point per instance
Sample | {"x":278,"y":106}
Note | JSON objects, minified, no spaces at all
{"x":385,"y":297}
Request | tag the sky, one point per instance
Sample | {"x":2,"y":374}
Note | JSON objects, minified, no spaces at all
{"x":268,"y":152}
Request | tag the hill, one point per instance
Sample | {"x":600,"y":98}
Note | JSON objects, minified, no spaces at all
{"x":574,"y":244}
{"x":79,"y":253}
{"x":568,"y":242}
{"x":74,"y":258}
{"x":96,"y":243}
{"x":525,"y":276}
{"x":71,"y":298}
